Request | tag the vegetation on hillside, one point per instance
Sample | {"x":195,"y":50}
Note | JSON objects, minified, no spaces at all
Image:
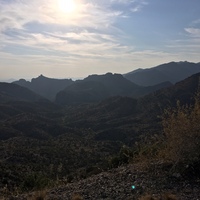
{"x":177,"y":144}
{"x":42,"y":144}
{"x":182,"y":136}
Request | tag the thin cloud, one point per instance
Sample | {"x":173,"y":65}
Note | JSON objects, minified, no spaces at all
{"x":134,"y":5}
{"x":57,"y":63}
{"x":138,"y":6}
{"x":16,"y":27}
{"x":106,"y":35}
{"x":194,"y":32}
{"x":136,"y":9}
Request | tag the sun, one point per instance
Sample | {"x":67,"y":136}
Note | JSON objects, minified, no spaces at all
{"x":67,"y":6}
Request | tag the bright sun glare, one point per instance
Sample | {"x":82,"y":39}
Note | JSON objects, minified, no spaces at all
{"x":67,"y":6}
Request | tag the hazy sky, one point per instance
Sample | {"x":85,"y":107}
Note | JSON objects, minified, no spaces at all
{"x":75,"y":38}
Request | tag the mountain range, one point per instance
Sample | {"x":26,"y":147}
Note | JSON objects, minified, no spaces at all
{"x":46,"y":87}
{"x":13,"y":92}
{"x":95,"y":88}
{"x":112,"y":105}
{"x":42,"y":141}
{"x":172,"y":72}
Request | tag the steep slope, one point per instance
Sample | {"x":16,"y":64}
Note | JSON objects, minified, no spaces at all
{"x":125,"y":118}
{"x":22,"y":112}
{"x":116,"y":84}
{"x":47,"y":87}
{"x":95,"y":88}
{"x":13,"y":92}
{"x":183,"y":91}
{"x":40,"y":142}
{"x":172,"y":72}
{"x":149,"y":89}
{"x":82,"y":92}
{"x":117,"y":184}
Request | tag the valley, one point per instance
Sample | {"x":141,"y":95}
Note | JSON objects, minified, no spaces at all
{"x":92,"y":126}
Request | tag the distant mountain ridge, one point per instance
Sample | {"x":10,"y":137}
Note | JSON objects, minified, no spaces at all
{"x":172,"y":72}
{"x":183,"y":91}
{"x":118,"y":118}
{"x":13,"y":92}
{"x":96,"y":88}
{"x":47,"y":87}
{"x":40,"y":138}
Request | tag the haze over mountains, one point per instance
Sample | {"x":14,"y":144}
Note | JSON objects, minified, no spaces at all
{"x":172,"y":72}
{"x":39,"y":136}
{"x":13,"y":92}
{"x":113,"y":94}
{"x":47,"y":87}
{"x":95,"y":88}
{"x":110,"y":118}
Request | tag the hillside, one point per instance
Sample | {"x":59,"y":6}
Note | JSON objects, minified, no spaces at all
{"x":121,"y":118}
{"x":172,"y":72}
{"x":96,"y":88}
{"x":13,"y":92}
{"x":43,"y":142}
{"x":117,"y":184}
{"x":184,"y":91}
{"x":46,"y":87}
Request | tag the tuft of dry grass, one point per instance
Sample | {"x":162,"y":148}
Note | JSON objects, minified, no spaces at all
{"x":38,"y":195}
{"x":170,"y":197}
{"x":77,"y":197}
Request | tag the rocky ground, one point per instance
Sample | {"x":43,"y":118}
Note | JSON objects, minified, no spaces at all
{"x":116,"y":184}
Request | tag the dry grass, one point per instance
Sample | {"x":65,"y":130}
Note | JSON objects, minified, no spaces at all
{"x":38,"y":195}
{"x":77,"y":197}
{"x":182,"y":131}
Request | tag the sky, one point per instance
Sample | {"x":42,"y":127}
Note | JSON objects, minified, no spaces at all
{"x":76,"y":38}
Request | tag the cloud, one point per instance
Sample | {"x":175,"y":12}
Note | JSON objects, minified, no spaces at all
{"x":80,"y":43}
{"x":136,"y":8}
{"x":134,"y":5}
{"x":62,"y":66}
{"x":19,"y":17}
{"x":22,"y":14}
{"x":194,"y":32}
{"x":188,"y":46}
{"x":18,"y":13}
{"x":38,"y":27}
{"x":123,"y":1}
{"x":36,"y":37}
{"x":22,"y":19}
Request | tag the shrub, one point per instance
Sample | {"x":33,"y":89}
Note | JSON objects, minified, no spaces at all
{"x":124,"y":156}
{"x":182,"y":131}
{"x":34,"y":181}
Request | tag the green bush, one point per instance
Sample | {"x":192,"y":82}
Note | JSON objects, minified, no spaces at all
{"x":124,"y":156}
{"x":34,"y":182}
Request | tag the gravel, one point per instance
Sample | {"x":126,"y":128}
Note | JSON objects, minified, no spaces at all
{"x":116,"y":184}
